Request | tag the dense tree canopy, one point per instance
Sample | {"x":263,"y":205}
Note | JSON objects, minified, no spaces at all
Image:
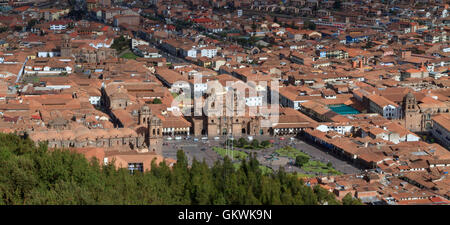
{"x":121,"y":43}
{"x":31,"y":174}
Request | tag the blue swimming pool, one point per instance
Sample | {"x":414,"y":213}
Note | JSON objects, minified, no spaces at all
{"x":343,"y":109}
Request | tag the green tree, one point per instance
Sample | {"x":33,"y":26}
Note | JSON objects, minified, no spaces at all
{"x":121,"y":43}
{"x":265,"y":144}
{"x":349,"y":200}
{"x":301,"y":160}
{"x":309,"y":25}
{"x":242,"y":142}
{"x":33,"y":174}
{"x":157,"y":101}
{"x":31,"y":23}
{"x":255,"y":144}
{"x":337,"y":5}
{"x":18,"y":28}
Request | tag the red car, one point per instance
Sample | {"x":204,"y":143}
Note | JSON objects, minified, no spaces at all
{"x":272,"y":141}
{"x":281,"y":138}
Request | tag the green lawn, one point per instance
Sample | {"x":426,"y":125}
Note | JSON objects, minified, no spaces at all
{"x":290,"y":152}
{"x":319,"y":168}
{"x":249,"y":145}
{"x":129,"y":55}
{"x":236,"y":154}
{"x":311,"y":166}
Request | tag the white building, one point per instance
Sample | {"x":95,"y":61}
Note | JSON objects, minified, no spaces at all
{"x":239,"y":12}
{"x":441,"y":129}
{"x":137,"y":42}
{"x":45,"y":54}
{"x":58,"y":27}
{"x":209,"y":52}
{"x":336,"y":127}
{"x":95,"y":100}
{"x":384,"y":107}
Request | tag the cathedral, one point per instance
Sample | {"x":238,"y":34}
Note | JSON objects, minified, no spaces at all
{"x":146,"y":137}
{"x":418,"y":114}
{"x":234,"y":119}
{"x":150,"y":126}
{"x":85,"y":53}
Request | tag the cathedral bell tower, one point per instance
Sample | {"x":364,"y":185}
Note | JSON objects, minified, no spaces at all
{"x":155,"y":130}
{"x":238,"y":113}
{"x":411,"y":112}
{"x":66,"y":46}
{"x":144,"y":115}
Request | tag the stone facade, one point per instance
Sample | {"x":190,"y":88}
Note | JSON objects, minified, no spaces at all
{"x":66,"y":47}
{"x":148,"y":135}
{"x":93,"y":56}
{"x":418,"y":117}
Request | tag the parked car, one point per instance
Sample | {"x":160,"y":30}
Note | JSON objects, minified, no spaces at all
{"x":216,"y":138}
{"x":195,"y":139}
{"x":178,"y":138}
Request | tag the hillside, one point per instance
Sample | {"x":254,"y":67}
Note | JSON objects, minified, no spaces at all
{"x":35,"y":175}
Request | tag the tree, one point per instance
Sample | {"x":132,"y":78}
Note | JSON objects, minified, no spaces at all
{"x":33,"y":174}
{"x":255,"y":144}
{"x":157,"y":101}
{"x":121,"y":44}
{"x":329,"y":165}
{"x":349,"y":200}
{"x":229,"y":142}
{"x":309,"y":25}
{"x":242,"y":142}
{"x":18,"y":28}
{"x":337,"y":5}
{"x":301,"y":160}
{"x":31,"y":23}
{"x":265,"y":144}
{"x":254,"y":26}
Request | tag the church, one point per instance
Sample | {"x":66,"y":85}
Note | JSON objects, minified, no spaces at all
{"x":147,"y":136}
{"x":419,"y":110}
{"x":83,"y":52}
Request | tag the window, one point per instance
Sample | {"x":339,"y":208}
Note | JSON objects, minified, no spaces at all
{"x":135,"y":167}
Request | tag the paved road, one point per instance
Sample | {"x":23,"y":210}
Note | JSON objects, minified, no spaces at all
{"x":198,"y":150}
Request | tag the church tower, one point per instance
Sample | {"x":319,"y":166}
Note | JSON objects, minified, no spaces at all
{"x":238,"y":112}
{"x":66,"y":46}
{"x":144,"y":115}
{"x":411,"y":112}
{"x":155,"y":134}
